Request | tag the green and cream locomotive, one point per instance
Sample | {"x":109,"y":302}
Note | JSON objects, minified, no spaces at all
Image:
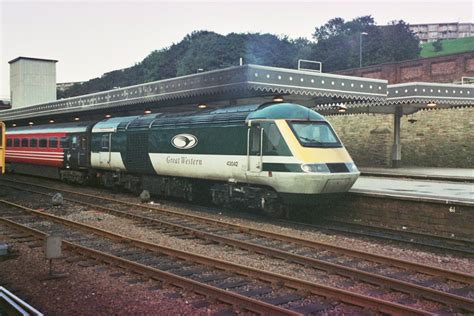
{"x":261,"y":156}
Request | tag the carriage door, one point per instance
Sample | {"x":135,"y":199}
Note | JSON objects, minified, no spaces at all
{"x":254,"y":147}
{"x":77,"y":153}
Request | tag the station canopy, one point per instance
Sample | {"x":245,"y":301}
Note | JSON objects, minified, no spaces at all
{"x":247,"y":84}
{"x":219,"y":88}
{"x":408,"y":98}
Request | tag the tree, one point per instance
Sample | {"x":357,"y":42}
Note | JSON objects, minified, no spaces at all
{"x":438,"y":45}
{"x":338,"y":43}
{"x":399,"y":42}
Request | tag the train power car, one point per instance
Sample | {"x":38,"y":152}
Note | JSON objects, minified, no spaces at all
{"x":261,"y":156}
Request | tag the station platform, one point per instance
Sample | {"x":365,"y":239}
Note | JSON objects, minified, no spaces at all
{"x":441,"y":174}
{"x":428,"y":189}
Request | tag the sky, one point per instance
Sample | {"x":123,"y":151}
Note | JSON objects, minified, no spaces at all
{"x":89,"y":38}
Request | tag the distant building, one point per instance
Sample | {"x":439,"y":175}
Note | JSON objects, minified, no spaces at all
{"x":32,"y":81}
{"x":439,"y":31}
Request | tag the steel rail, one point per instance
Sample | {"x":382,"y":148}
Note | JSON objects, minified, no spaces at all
{"x":414,"y":266}
{"x":391,"y":231}
{"x":200,"y":288}
{"x":399,"y":285}
{"x":317,"y":289}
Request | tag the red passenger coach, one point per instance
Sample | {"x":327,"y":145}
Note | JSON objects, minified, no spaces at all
{"x":45,"y":149}
{"x":53,"y":151}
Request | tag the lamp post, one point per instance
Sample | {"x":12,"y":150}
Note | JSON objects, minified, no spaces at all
{"x":360,"y":48}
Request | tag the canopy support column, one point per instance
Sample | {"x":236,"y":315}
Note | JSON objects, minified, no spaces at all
{"x":397,"y":147}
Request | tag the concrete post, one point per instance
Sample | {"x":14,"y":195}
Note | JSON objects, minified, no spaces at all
{"x":397,"y":147}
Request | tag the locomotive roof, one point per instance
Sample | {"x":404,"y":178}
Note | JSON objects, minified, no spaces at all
{"x":76,"y":127}
{"x":236,"y":114}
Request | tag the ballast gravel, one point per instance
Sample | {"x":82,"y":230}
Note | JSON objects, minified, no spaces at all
{"x":390,"y":249}
{"x":89,"y":290}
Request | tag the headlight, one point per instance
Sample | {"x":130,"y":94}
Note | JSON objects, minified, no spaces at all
{"x":352,"y":167}
{"x":317,"y":167}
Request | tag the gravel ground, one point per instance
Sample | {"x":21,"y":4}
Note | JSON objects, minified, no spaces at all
{"x":385,"y":248}
{"x":90,"y":290}
{"x":127,"y":227}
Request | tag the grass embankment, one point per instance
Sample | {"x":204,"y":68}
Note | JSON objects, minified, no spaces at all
{"x":453,"y":46}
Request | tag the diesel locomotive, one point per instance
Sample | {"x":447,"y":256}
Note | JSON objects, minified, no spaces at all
{"x":262,"y":156}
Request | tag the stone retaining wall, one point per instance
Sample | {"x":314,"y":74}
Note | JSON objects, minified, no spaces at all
{"x":438,"y":138}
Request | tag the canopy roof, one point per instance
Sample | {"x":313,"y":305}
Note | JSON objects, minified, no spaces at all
{"x":411,"y":97}
{"x":237,"y":85}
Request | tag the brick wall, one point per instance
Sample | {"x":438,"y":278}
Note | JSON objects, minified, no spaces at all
{"x":448,"y":220}
{"x":439,"y":138}
{"x":448,"y":68}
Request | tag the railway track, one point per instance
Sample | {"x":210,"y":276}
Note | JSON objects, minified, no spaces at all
{"x":463,"y":247}
{"x":457,"y":246}
{"x":250,"y":289}
{"x":317,"y":255}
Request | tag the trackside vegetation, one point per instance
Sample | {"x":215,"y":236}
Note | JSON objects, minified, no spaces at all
{"x":336,"y":44}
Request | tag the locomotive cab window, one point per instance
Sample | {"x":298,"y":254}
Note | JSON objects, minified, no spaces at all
{"x":273,"y":142}
{"x":43,"y":142}
{"x":53,"y":142}
{"x":315,"y":134}
{"x":34,"y":142}
{"x":254,"y":141}
{"x":9,"y":142}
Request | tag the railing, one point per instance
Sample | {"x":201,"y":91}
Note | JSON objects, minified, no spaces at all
{"x":2,"y":148}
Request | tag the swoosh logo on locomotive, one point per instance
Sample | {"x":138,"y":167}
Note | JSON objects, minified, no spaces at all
{"x":184,"y":141}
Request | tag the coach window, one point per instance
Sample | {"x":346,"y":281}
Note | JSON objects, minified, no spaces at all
{"x":53,"y":142}
{"x":34,"y":142}
{"x":43,"y":142}
{"x":64,"y":142}
{"x":16,"y":142}
{"x":9,"y":142}
{"x":24,"y":142}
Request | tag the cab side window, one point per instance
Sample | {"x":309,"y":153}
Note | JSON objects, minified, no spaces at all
{"x":254,"y":145}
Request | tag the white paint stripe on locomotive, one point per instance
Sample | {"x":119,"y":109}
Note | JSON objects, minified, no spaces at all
{"x":200,"y":166}
{"x":217,"y":167}
{"x":100,"y":160}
